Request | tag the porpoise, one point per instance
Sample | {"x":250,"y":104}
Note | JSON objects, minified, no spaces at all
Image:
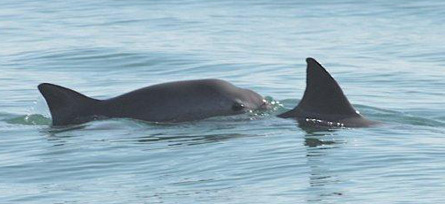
{"x":171,"y":102}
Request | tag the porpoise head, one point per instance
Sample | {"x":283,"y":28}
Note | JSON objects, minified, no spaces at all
{"x":233,"y":100}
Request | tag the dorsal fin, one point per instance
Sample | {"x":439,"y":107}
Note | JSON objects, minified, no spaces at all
{"x":322,"y":97}
{"x":67,"y":106}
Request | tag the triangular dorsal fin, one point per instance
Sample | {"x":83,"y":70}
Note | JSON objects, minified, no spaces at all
{"x":322,"y":97}
{"x":67,"y":106}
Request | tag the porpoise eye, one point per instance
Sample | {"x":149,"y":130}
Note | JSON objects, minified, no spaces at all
{"x":237,"y":106}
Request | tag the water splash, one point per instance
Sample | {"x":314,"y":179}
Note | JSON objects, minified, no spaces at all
{"x":32,"y":119}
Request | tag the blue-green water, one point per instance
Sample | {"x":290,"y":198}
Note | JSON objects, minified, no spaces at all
{"x":389,"y":57}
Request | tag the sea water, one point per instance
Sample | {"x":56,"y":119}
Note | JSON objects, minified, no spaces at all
{"x":388,"y":56}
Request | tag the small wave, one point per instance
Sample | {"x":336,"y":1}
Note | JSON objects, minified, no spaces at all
{"x":391,"y":116}
{"x":32,"y":119}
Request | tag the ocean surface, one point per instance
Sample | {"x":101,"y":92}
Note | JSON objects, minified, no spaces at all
{"x":388,"y":56}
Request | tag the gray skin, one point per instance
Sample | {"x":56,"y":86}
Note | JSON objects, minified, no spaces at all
{"x":324,"y":103}
{"x":168,"y":102}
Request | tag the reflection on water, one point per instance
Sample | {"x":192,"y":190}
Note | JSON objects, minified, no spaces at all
{"x":322,"y":181}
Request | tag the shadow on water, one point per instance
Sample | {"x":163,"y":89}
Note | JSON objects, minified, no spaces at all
{"x":190,"y":140}
{"x":128,"y":132}
{"x":196,"y":133}
{"x":59,"y":135}
{"x":53,"y":131}
{"x":319,"y":141}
